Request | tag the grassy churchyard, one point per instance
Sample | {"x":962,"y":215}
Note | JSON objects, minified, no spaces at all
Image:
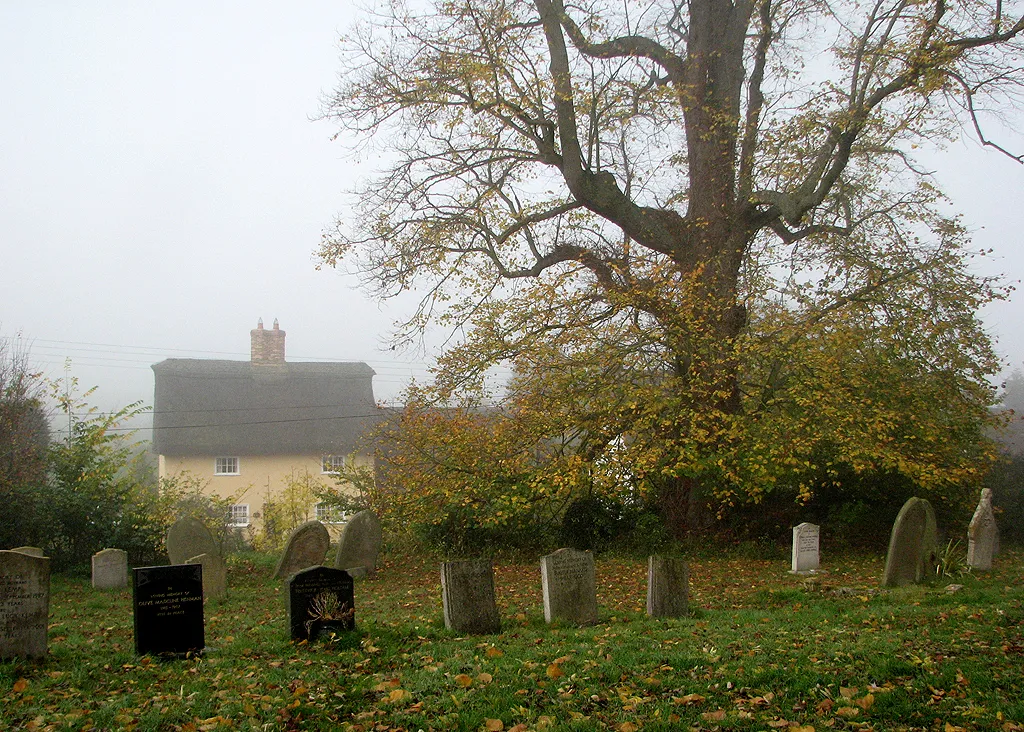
{"x":762,"y":649}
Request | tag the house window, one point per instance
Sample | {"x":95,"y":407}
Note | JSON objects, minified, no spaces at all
{"x":239,"y":515}
{"x":328,"y":514}
{"x":225,"y":466}
{"x":332,"y":463}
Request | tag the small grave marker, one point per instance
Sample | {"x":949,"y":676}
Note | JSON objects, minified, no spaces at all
{"x":805,"y":548}
{"x":467,"y":596}
{"x":668,"y":587}
{"x":360,"y":542}
{"x":569,"y":586}
{"x":913,"y":545}
{"x":982,"y":534}
{"x":215,"y":575}
{"x":189,"y":537}
{"x":168,"y":609}
{"x":32,"y":551}
{"x":307,"y":546}
{"x":24,"y":605}
{"x":110,"y":569}
{"x":320,"y":599}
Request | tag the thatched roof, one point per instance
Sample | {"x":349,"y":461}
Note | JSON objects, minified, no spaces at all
{"x":229,"y":408}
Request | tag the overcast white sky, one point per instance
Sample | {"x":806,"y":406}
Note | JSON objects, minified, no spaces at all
{"x":162,"y":187}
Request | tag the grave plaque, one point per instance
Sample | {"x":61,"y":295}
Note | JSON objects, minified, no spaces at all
{"x":24,"y":605}
{"x":320,"y":599}
{"x":668,"y":587}
{"x":467,"y":596}
{"x":569,"y":587}
{"x":189,"y":537}
{"x":360,"y":542}
{"x":307,"y":546}
{"x":110,"y":569}
{"x":168,"y":609}
{"x":215,"y":575}
{"x":913,"y":545}
{"x":982,"y":534}
{"x":805,"y":548}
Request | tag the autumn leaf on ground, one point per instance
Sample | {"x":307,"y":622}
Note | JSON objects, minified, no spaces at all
{"x":20,"y":685}
{"x":387,"y":685}
{"x":494,"y":725}
{"x":484,"y":678}
{"x":627,"y":727}
{"x":464,"y":680}
{"x":716,"y":716}
{"x":493,"y":652}
{"x":802,"y":728}
{"x":865,"y":702}
{"x":825,"y":706}
{"x":518,"y":728}
{"x":555,"y":671}
{"x":848,"y":712}
{"x":688,"y":699}
{"x":847,"y":692}
{"x":398,"y":695}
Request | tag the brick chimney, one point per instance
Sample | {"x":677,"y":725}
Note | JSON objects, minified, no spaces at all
{"x":267,"y":345}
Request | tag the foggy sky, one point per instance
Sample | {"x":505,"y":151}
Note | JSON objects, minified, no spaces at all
{"x":162,"y":187}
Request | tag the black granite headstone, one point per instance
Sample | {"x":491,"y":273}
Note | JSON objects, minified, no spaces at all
{"x":314,"y":590}
{"x":168,"y":608}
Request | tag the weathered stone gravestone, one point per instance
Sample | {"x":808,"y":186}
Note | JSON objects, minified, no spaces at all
{"x":569,"y":586}
{"x":360,"y":542}
{"x":668,"y":587}
{"x":320,"y":600}
{"x":307,"y":546}
{"x":982,"y":534}
{"x":805,"y":548}
{"x":167,"y":605}
{"x":110,"y":569}
{"x":189,"y":537}
{"x":32,"y":551}
{"x":467,"y":596}
{"x":215,"y":575}
{"x":24,"y":605}
{"x":913,"y":545}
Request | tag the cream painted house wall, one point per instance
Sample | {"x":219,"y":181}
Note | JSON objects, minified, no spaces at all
{"x":259,"y":478}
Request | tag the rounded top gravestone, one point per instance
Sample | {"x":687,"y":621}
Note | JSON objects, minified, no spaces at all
{"x":360,"y":542}
{"x":913,"y":545}
{"x":307,"y":546}
{"x":188,"y":537}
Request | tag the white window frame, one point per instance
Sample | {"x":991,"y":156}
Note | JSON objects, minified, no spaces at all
{"x":327,"y":514}
{"x":238,"y":515}
{"x":330,"y":464}
{"x":221,"y":466}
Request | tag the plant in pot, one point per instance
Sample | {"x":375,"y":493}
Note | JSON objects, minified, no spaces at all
{"x":328,"y":615}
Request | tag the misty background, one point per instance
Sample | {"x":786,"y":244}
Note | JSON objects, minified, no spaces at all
{"x":163,"y":186}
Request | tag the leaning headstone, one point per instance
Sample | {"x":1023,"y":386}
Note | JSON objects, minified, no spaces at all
{"x":215,"y":575}
{"x":32,"y":551}
{"x":110,"y":569}
{"x":360,"y":542}
{"x":569,"y":586}
{"x":668,"y":587}
{"x":167,"y":604}
{"x":982,"y":534}
{"x":189,"y":537}
{"x":805,"y":548}
{"x":307,"y":546}
{"x":24,"y":605}
{"x":320,"y":600}
{"x":467,"y":596}
{"x":913,"y":545}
